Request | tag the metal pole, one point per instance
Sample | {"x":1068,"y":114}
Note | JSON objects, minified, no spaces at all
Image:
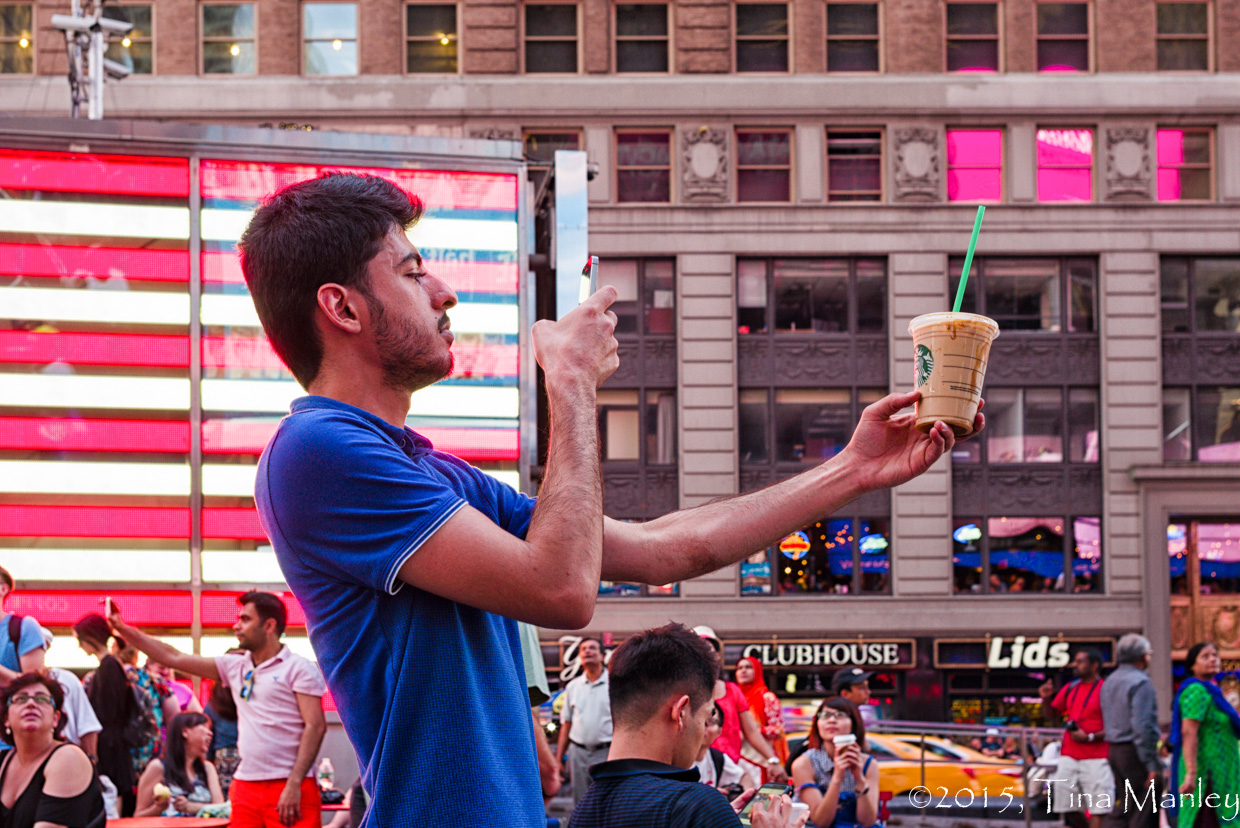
{"x":1025,"y":755}
{"x":97,"y":39}
{"x":923,"y":770}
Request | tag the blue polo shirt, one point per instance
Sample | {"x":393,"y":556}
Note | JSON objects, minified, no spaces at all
{"x":641,"y":793}
{"x":431,"y":693}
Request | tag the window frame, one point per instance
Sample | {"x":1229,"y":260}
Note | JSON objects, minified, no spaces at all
{"x":576,"y":38}
{"x":882,"y":159}
{"x":1069,"y":554}
{"x":998,"y":37}
{"x":1208,"y":37}
{"x":1090,"y":29}
{"x":666,"y":40}
{"x":151,"y":37}
{"x":878,"y":38}
{"x":856,"y":516}
{"x":406,"y":38}
{"x":737,"y":167}
{"x":1211,"y":166}
{"x":203,"y":39}
{"x":1192,"y":260}
{"x":303,"y":40}
{"x":671,"y":161}
{"x":1065,"y":424}
{"x":1003,"y":171}
{"x":1093,"y":163}
{"x":33,"y":42}
{"x":737,"y":38}
{"x":977,"y":281}
{"x":853,"y":321}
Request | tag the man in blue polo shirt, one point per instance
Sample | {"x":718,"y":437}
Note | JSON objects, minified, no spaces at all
{"x":411,"y":565}
{"x":662,"y":693}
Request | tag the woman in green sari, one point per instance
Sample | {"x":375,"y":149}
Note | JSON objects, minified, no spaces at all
{"x":1205,"y":737}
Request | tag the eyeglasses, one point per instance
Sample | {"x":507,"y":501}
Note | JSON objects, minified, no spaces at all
{"x":38,"y":698}
{"x":833,"y":714}
{"x":247,"y":686}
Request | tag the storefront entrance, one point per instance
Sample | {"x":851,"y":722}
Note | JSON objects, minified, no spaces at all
{"x":1204,"y":560}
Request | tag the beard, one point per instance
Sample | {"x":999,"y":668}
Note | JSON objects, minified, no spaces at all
{"x":408,"y":356}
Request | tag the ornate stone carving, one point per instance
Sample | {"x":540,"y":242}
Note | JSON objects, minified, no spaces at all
{"x":1084,"y":490}
{"x":632,"y":492}
{"x":628,"y":375}
{"x":705,"y":176}
{"x":1129,"y":174}
{"x":662,"y":491}
{"x":1038,"y":359}
{"x":659,"y":356}
{"x":1202,"y":360}
{"x":1181,"y":627}
{"x":1025,"y":489}
{"x":754,"y":478}
{"x":493,"y":133}
{"x":916,"y":160}
{"x":1177,"y":359}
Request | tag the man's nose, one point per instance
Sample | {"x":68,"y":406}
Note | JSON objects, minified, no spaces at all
{"x":445,"y":296}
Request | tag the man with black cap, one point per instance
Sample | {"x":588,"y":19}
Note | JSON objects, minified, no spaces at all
{"x":853,"y":684}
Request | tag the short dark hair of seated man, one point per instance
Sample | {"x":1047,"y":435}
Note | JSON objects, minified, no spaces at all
{"x":662,"y":692}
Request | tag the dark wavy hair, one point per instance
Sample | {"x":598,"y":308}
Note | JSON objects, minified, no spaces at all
{"x":95,"y":628}
{"x":325,"y":230}
{"x":28,"y":680}
{"x":1194,"y":651}
{"x":814,"y":740}
{"x":174,"y":751}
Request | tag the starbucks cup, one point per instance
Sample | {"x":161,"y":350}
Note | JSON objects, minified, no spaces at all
{"x":844,"y":739}
{"x":950,"y":351}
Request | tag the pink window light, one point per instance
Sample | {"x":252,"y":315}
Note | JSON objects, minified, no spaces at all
{"x":1170,"y":159}
{"x":1065,"y":164}
{"x":974,"y":164}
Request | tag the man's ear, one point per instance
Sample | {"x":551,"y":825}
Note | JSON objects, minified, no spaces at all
{"x":680,"y":710}
{"x":340,"y":306}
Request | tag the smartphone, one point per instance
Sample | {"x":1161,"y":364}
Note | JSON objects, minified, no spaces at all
{"x":107,"y":607}
{"x":589,"y":279}
{"x":769,"y":791}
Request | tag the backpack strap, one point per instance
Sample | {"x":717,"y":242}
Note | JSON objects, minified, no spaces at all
{"x":716,"y":756}
{"x":15,"y":636}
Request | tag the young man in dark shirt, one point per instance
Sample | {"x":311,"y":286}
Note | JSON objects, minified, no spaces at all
{"x":662,"y":684}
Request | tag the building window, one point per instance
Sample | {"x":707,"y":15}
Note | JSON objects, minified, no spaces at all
{"x":1184,"y":37}
{"x":763,"y":165}
{"x":330,"y":32}
{"x":1012,"y":554}
{"x":1063,"y":37}
{"x":972,"y":37}
{"x":1065,"y":164}
{"x":854,"y":165}
{"x":1048,"y":295}
{"x":1036,"y":425}
{"x":630,"y":429}
{"x":551,"y":38}
{"x":641,"y":37}
{"x":840,"y":555}
{"x":430,"y":39}
{"x":228,"y":39}
{"x":135,"y":50}
{"x":761,"y":37}
{"x":16,"y":39}
{"x":643,"y":166}
{"x":646,"y":294}
{"x":1185,"y":164}
{"x":1200,"y":315}
{"x":811,"y":295}
{"x":853,"y":37}
{"x":975,"y":165}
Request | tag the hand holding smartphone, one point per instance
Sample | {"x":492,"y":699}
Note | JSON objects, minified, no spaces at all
{"x":589,"y":279}
{"x":769,"y":791}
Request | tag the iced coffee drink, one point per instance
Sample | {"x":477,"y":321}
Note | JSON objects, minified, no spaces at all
{"x":949,"y":357}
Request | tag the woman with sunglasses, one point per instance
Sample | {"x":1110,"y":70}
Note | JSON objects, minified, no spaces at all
{"x":839,"y":783}
{"x":191,"y":780}
{"x":43,"y":779}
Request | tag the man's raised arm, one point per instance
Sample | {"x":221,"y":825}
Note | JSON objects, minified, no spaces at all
{"x":885,"y":450}
{"x":162,"y":652}
{"x":551,"y":577}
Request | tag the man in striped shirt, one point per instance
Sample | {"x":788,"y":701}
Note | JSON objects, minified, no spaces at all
{"x":662,"y":688}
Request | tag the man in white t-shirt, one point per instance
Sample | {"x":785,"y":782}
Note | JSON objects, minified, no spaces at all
{"x":280,"y":722}
{"x":81,"y":724}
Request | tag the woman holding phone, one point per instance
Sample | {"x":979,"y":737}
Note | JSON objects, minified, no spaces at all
{"x":835,"y":777}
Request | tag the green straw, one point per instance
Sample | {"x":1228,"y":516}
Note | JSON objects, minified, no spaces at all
{"x":968,"y":259}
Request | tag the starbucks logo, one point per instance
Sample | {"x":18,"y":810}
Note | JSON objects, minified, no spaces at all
{"x":924,"y":363}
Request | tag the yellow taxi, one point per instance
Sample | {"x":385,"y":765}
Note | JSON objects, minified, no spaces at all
{"x":900,"y":768}
{"x":994,"y":776}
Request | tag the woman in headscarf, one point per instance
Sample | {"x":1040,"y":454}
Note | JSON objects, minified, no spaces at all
{"x":765,"y":707}
{"x":1205,"y":742}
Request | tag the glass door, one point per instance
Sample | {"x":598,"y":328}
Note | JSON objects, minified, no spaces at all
{"x":1204,"y":568}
